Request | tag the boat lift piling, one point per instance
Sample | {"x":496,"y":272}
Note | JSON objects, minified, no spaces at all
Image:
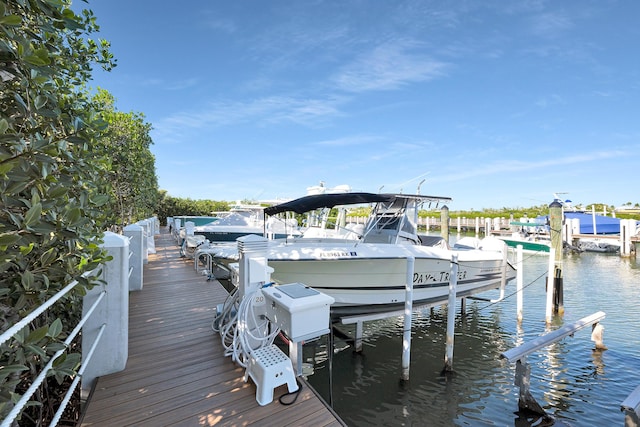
{"x":519,"y":283}
{"x":627,"y":228}
{"x":451,"y":315}
{"x":550,"y":288}
{"x":408,"y":314}
{"x":359,"y":320}
{"x":555,"y":274}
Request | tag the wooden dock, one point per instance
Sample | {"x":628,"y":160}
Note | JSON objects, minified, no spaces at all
{"x":176,"y":373}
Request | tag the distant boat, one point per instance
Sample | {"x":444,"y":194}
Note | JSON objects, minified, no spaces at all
{"x":590,"y":222}
{"x":245,"y":220}
{"x":532,"y":236}
{"x":599,"y":244}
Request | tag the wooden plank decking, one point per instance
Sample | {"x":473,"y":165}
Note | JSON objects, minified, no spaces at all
{"x":176,"y":373}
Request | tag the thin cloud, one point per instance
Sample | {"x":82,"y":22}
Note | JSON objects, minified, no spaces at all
{"x":387,"y":67}
{"x":170,"y":85}
{"x":349,"y":141}
{"x":222,"y":25}
{"x":550,"y":100}
{"x":550,"y":25}
{"x":520,"y":166}
{"x":264,"y":111}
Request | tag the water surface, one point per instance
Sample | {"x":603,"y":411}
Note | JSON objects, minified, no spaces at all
{"x":573,"y":383}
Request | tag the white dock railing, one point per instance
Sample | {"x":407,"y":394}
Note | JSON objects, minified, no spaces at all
{"x":104,"y":322}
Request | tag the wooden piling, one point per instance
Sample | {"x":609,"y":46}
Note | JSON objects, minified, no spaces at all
{"x":444,"y":223}
{"x":555,"y":225}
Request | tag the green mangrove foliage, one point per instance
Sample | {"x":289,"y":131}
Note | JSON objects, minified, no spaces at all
{"x":125,"y":143}
{"x":54,"y":201}
{"x":169,"y":206}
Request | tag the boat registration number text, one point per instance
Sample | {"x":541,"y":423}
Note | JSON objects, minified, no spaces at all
{"x":338,"y":254}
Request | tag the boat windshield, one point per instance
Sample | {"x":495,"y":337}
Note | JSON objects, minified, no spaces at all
{"x":392,"y":222}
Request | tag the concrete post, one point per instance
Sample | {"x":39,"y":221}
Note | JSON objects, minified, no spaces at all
{"x":149,"y":228}
{"x":145,"y":240}
{"x":135,"y":232}
{"x":153,"y":230}
{"x":112,"y":351}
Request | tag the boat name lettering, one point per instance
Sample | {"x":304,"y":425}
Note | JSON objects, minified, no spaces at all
{"x":442,"y":276}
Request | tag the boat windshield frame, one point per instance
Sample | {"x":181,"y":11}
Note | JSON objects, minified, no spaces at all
{"x":393,"y":218}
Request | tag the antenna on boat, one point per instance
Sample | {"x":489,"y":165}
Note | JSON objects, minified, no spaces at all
{"x":380,"y":189}
{"x":420,"y":185}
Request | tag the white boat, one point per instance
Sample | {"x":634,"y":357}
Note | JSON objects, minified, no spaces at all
{"x":602,"y":244}
{"x":222,"y":234}
{"x":368,"y":274}
{"x":532,"y":236}
{"x":245,"y":220}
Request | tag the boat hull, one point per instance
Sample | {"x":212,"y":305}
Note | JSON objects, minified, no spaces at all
{"x":379,"y":283}
{"x":529,"y":246}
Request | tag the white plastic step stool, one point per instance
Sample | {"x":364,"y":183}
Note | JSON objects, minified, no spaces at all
{"x":269,"y":368}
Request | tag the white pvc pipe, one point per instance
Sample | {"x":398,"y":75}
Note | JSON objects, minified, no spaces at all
{"x":550,"y":285}
{"x":503,"y":278}
{"x":408,"y":310}
{"x":519,"y":283}
{"x":451,"y":313}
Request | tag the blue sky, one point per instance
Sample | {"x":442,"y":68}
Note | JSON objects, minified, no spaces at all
{"x":493,"y":103}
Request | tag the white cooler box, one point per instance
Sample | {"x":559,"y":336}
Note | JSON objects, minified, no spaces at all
{"x":300,"y":311}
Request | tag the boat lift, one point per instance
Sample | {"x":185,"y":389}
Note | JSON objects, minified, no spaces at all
{"x":409,"y":307}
